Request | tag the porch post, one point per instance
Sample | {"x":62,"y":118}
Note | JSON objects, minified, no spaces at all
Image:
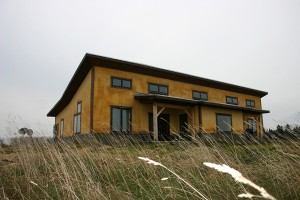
{"x":155,"y":128}
{"x":193,"y":124}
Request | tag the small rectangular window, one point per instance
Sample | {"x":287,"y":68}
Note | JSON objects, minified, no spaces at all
{"x":200,"y":95}
{"x":153,"y":88}
{"x":250,"y":103}
{"x":224,"y":122}
{"x":232,"y":100}
{"x":121,"y":82}
{"x":79,"y":107}
{"x":75,"y":124}
{"x":158,"y":89}
{"x":62,"y":127}
{"x":163,"y":89}
{"x":120,"y":119}
{"x":77,"y":118}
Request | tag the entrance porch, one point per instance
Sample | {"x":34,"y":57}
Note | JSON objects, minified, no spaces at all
{"x":169,"y":114}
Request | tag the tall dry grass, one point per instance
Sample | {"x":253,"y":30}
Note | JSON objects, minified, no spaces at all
{"x":88,"y":169}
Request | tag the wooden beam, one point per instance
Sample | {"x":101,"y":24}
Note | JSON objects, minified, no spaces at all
{"x":193,"y":124}
{"x":155,"y":126}
{"x":161,"y":110}
{"x":187,"y":112}
{"x":172,"y":106}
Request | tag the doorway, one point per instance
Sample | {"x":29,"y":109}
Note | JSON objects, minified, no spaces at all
{"x":163,"y":125}
{"x":183,"y":124}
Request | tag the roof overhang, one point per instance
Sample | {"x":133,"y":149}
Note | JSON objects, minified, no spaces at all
{"x":90,"y":60}
{"x":156,"y":98}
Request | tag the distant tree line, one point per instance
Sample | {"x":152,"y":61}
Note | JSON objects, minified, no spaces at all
{"x":284,"y":132}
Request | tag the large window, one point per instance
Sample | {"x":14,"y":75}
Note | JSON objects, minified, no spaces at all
{"x":232,"y":100}
{"x":252,"y":125}
{"x":224,"y":123}
{"x":62,"y":127}
{"x":121,"y":82}
{"x":200,"y":95}
{"x":158,"y":89}
{"x":77,"y":118}
{"x":250,"y":103}
{"x":121,"y":119}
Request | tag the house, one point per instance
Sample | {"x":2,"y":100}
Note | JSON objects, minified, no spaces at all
{"x":107,"y":95}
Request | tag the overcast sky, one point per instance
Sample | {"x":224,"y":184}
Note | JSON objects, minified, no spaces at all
{"x":250,"y":43}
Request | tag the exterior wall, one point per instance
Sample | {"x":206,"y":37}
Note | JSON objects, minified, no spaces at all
{"x":106,"y":96}
{"x":209,"y":119}
{"x":83,"y":94}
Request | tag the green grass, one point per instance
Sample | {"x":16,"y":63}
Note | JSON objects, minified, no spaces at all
{"x":92,"y":170}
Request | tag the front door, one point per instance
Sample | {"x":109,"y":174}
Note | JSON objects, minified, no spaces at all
{"x":163,"y":123}
{"x":183,"y":123}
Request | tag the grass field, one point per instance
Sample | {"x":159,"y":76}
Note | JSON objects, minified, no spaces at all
{"x":39,"y":169}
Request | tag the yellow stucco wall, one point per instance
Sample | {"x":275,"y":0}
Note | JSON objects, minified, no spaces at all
{"x":106,"y":96}
{"x":209,"y":119}
{"x":83,"y":94}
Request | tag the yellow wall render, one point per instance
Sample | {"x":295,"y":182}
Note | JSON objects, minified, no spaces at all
{"x":83,"y":94}
{"x":106,"y":96}
{"x":209,"y":119}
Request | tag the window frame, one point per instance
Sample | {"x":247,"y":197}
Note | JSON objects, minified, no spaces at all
{"x":200,"y":92}
{"x":250,"y":101}
{"x":217,"y":126}
{"x":158,"y":85}
{"x":75,"y":119}
{"x":62,"y":128}
{"x":248,"y":123}
{"x":121,"y":79}
{"x":121,"y":121}
{"x":231,"y":103}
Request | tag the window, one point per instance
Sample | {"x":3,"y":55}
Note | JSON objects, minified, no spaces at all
{"x":200,"y":95}
{"x":77,"y":118}
{"x":250,"y":103}
{"x":62,"y":127}
{"x":158,"y":89}
{"x":120,"y":119}
{"x":121,"y":82}
{"x":232,"y":100}
{"x":224,"y":122}
{"x":252,"y":125}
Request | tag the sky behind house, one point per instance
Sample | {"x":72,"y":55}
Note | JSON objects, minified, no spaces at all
{"x":254,"y":44}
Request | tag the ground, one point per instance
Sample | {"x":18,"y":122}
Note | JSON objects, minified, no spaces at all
{"x":36,"y":169}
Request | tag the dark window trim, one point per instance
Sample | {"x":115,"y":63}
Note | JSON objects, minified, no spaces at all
{"x":252,"y":118}
{"x":232,"y":98}
{"x":120,"y":107}
{"x":249,"y":100}
{"x":79,"y":102}
{"x":224,"y":114}
{"x":76,"y":114}
{"x":122,"y":79}
{"x":200,"y":95}
{"x":158,"y":85}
